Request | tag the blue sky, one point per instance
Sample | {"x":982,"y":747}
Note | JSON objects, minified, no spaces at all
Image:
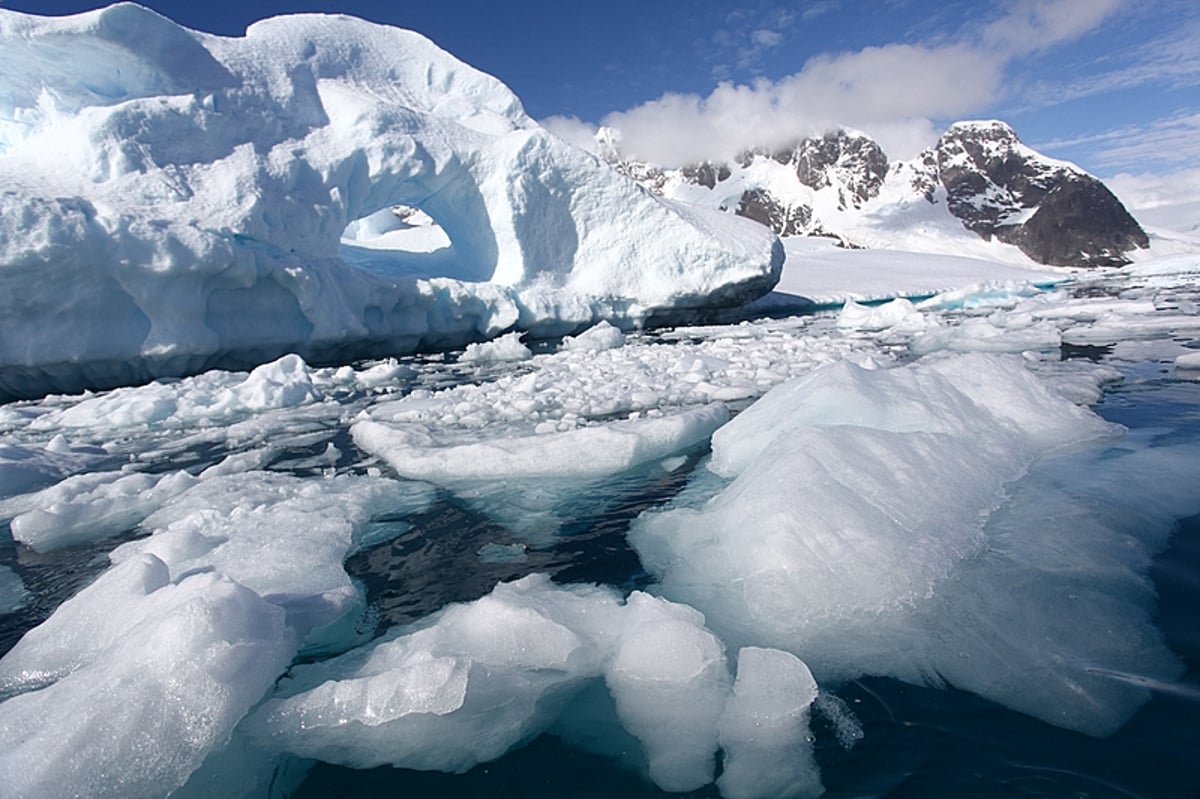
{"x":1113,"y":85}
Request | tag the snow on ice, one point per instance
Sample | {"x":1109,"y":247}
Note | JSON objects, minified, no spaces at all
{"x":180,"y":199}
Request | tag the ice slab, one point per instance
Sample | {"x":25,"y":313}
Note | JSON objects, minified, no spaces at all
{"x":148,"y":707}
{"x":863,"y":523}
{"x":598,"y":337}
{"x":461,"y":688}
{"x":283,"y":537}
{"x":764,"y":730}
{"x":89,"y":506}
{"x":596,"y":451}
{"x":505,"y":348}
{"x":474,"y":680}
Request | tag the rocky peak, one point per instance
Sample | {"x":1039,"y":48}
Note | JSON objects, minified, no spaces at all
{"x":995,"y":185}
{"x":1053,"y":211}
{"x":850,"y":162}
{"x":706,"y":173}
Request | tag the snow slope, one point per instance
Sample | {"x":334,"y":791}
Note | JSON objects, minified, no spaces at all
{"x":174,"y":199}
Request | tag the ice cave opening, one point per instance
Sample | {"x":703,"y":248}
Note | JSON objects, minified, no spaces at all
{"x":402,"y":241}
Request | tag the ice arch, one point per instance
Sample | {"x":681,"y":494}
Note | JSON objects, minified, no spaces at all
{"x":210,"y":196}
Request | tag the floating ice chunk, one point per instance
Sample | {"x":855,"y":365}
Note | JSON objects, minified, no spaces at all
{"x":283,"y":383}
{"x":1057,"y":621}
{"x":597,"y":338}
{"x":384,"y":373}
{"x":536,"y":484}
{"x":898,"y":314}
{"x":89,"y":623}
{"x":469,"y":684}
{"x":1080,"y":381}
{"x":997,"y":333}
{"x":670,"y":681}
{"x":283,"y":537}
{"x":13,"y":594}
{"x":1118,"y":325}
{"x":1189,"y":361}
{"x":976,"y":395}
{"x":866,"y":516}
{"x":597,"y":451}
{"x":505,"y":348}
{"x":86,"y":507}
{"x":475,"y":680}
{"x":212,"y":396}
{"x":764,"y":730}
{"x":1002,"y":293}
{"x":147,"y":709}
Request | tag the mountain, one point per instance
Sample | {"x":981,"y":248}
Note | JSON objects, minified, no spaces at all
{"x":978,"y":174}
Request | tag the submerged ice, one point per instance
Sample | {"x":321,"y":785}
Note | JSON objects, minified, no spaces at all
{"x":952,"y":520}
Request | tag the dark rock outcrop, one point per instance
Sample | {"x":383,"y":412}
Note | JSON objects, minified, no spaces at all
{"x":852,"y":163}
{"x":1054,"y":212}
{"x":785,"y":220}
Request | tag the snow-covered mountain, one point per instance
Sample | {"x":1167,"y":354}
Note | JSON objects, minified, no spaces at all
{"x":978,"y":182}
{"x":174,"y":200}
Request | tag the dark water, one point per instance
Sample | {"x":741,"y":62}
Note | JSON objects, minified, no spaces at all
{"x":917,"y":741}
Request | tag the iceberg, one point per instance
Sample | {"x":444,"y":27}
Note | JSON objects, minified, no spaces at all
{"x":949,"y":521}
{"x":175,"y":200}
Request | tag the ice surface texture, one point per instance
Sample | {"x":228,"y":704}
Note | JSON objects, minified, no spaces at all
{"x":868,"y":526}
{"x":174,"y":199}
{"x":477,"y":679}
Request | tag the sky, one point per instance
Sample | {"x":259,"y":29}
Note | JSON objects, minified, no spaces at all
{"x":1112,"y":85}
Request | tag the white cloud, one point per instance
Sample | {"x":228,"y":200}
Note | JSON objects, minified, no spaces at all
{"x":766,"y":38}
{"x":1158,"y":146}
{"x":1171,"y":201}
{"x":893,"y":92}
{"x":1172,"y":62}
{"x":573,"y":130}
{"x":1032,"y":25}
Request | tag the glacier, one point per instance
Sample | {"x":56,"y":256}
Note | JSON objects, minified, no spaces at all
{"x":181,"y":200}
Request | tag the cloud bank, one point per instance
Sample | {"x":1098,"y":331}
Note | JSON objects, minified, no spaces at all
{"x":895,"y":92}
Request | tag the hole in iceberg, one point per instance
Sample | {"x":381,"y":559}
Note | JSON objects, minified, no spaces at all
{"x":402,"y":241}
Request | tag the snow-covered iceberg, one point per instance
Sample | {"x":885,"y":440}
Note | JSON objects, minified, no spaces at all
{"x":174,"y":199}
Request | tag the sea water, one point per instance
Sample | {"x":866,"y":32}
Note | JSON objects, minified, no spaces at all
{"x":915,"y":741}
{"x":876,"y":736}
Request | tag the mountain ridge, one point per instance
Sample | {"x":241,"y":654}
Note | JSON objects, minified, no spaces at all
{"x":841,"y":184}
